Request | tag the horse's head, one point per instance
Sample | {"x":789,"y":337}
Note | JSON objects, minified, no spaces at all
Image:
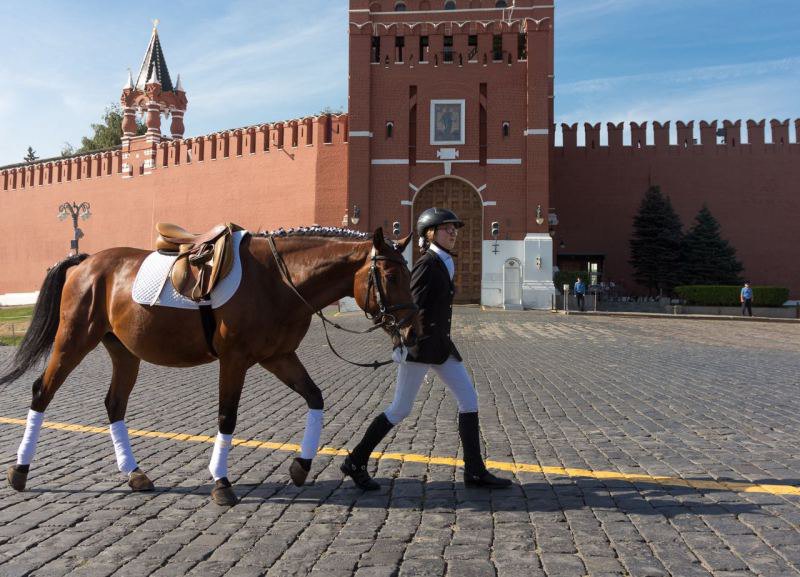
{"x":383,"y":289}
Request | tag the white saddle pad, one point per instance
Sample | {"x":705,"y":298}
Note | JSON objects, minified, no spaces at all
{"x":153,"y":286}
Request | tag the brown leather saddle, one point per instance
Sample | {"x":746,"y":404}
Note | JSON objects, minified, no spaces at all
{"x":203,"y":259}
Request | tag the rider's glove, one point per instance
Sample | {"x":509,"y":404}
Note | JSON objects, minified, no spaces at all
{"x":399,"y":354}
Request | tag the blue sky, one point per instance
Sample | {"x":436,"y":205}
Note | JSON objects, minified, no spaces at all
{"x":250,"y":61}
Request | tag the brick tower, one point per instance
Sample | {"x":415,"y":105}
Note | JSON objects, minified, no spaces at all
{"x":151,"y":95}
{"x":451,"y":105}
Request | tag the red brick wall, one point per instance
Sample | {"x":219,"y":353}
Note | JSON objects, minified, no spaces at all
{"x":293,"y":186}
{"x":518,"y":91}
{"x":752,"y":190}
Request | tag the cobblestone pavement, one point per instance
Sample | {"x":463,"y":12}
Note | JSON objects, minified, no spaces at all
{"x":710,"y":401}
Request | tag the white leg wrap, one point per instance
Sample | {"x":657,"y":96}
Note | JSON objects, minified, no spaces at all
{"x":218,"y":467}
{"x":27,"y":447}
{"x":308,"y":449}
{"x":126,"y":463}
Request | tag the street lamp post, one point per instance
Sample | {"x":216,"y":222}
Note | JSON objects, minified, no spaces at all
{"x":74,"y":210}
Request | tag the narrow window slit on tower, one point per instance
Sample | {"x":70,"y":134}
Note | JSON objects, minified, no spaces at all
{"x":376,"y":49}
{"x":472,"y":44}
{"x":448,"y":49}
{"x":389,"y":129}
{"x":497,"y":47}
{"x":399,"y":44}
{"x":423,"y":48}
{"x":412,"y":126}
{"x":482,"y":128}
{"x":522,"y":46}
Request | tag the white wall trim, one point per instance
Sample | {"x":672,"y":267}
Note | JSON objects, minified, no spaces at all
{"x":406,"y":203}
{"x":489,"y":203}
{"x":504,"y":161}
{"x":16,"y":299}
{"x":448,"y":161}
{"x":481,"y":188}
{"x":389,"y":161}
{"x":361,"y":134}
{"x":536,"y":132}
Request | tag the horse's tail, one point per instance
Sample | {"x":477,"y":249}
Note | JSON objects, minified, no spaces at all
{"x":38,"y":340}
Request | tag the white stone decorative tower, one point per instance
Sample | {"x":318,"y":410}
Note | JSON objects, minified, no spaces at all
{"x":153,"y":95}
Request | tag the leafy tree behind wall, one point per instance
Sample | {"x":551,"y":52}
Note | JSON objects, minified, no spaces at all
{"x":106,"y":135}
{"x":31,"y":155}
{"x":656,"y":243}
{"x":708,"y":259}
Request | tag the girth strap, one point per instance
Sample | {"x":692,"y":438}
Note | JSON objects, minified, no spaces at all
{"x":209,"y":327}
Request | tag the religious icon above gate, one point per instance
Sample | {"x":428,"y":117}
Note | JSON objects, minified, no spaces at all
{"x":447,"y":121}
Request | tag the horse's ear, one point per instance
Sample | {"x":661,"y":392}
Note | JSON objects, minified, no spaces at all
{"x":377,"y":238}
{"x":401,"y":246}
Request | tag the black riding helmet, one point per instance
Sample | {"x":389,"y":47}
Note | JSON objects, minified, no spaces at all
{"x":435,"y":217}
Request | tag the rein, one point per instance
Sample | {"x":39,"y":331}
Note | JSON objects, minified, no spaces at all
{"x":387,"y":320}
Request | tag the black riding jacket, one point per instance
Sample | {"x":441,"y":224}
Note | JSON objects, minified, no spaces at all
{"x":433,"y":293}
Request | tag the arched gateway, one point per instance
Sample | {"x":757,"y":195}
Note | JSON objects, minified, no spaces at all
{"x":460,"y":197}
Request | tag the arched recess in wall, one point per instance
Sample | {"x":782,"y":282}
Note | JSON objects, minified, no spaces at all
{"x":462,"y":198}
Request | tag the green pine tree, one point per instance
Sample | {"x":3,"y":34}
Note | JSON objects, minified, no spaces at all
{"x":31,"y":156}
{"x":656,"y":243}
{"x":708,"y":259}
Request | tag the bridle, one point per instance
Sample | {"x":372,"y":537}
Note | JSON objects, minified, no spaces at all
{"x":387,"y":318}
{"x":386,"y":314}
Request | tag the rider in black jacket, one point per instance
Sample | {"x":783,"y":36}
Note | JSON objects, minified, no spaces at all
{"x":433,"y":290}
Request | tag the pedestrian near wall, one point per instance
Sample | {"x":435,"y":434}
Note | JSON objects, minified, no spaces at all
{"x":746,"y":298}
{"x":433,"y":289}
{"x":580,"y":294}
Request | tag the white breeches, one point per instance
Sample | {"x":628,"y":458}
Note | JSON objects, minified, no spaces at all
{"x":409,"y":379}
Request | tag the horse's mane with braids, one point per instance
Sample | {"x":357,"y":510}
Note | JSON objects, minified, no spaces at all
{"x":325,"y":231}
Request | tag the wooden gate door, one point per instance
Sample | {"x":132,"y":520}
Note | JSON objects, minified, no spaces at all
{"x":463,"y":200}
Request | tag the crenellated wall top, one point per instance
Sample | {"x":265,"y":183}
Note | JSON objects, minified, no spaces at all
{"x":681,"y":134}
{"x":117,"y":150}
{"x":307,"y":131}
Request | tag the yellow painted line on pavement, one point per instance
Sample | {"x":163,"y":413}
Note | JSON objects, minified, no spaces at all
{"x":700,"y":484}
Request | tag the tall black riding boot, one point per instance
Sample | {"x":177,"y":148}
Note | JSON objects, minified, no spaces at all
{"x":475,"y":473}
{"x":355,"y":465}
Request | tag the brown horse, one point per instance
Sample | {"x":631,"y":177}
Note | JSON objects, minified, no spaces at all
{"x":86,"y":300}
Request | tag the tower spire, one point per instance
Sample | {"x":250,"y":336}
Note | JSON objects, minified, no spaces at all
{"x":154,"y":65}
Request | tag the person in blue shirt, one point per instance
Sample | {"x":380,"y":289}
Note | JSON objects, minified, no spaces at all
{"x":746,"y":298}
{"x":580,"y":293}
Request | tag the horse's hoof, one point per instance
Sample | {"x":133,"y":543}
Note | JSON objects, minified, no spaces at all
{"x":138,"y":481}
{"x":223,"y":494}
{"x":16,"y":478}
{"x":298,"y":471}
